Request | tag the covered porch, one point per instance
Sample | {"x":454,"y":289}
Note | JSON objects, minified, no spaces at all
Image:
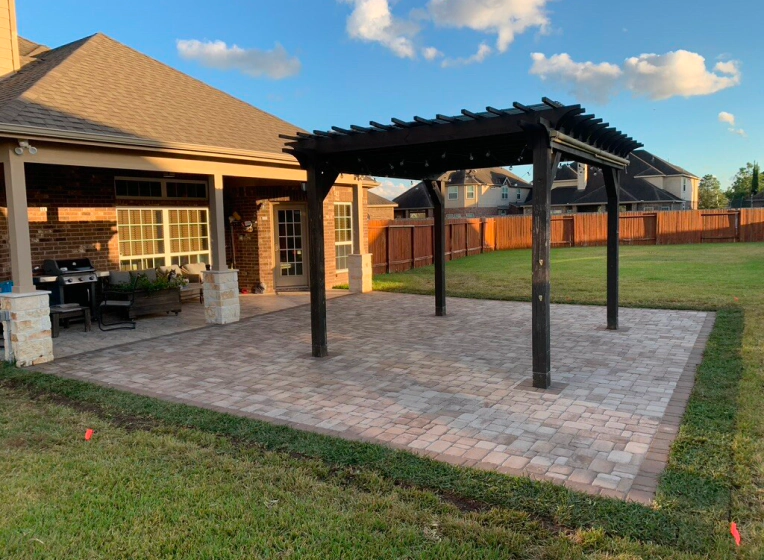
{"x":132,"y":208}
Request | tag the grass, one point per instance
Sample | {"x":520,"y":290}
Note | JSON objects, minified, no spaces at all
{"x":166,"y":480}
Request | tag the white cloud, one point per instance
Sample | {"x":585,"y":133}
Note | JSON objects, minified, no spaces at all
{"x":505,"y":18}
{"x":482,"y":53}
{"x":431,"y":53}
{"x":586,"y":80}
{"x":390,"y":189}
{"x":678,"y":73}
{"x":372,"y":21}
{"x":674,"y":74}
{"x":276,"y":64}
{"x":728,"y":118}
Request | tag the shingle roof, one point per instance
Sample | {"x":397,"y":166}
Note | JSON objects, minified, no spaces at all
{"x":487,"y":176}
{"x":633,"y":189}
{"x":98,"y":85}
{"x":661,"y":165}
{"x":414,"y":198}
{"x":566,"y":173}
{"x":376,"y":200}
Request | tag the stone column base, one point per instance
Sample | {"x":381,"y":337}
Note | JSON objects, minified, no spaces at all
{"x":360,"y":273}
{"x":221,"y":296}
{"x":26,"y":328}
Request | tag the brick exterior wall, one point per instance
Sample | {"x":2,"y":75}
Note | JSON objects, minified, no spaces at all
{"x":255,"y":251}
{"x":72,"y":213}
{"x":474,"y":211}
{"x":381,"y":212}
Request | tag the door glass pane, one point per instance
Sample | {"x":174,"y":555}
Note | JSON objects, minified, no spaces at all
{"x":290,"y":242}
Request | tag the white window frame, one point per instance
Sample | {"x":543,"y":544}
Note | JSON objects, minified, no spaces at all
{"x":467,"y":190}
{"x":167,"y":255}
{"x":648,"y":209}
{"x":504,"y":192}
{"x":349,"y":243}
{"x":519,"y":192}
{"x":453,"y":192}
{"x":163,"y":182}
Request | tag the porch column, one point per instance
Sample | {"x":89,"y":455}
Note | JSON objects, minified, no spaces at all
{"x":545,"y":163}
{"x":319,"y":184}
{"x":359,"y":263}
{"x":612,"y":186}
{"x":25,"y":312}
{"x":439,"y":235}
{"x":221,"y":284}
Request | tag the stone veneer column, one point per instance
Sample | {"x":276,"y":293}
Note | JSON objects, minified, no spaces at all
{"x":359,"y":273}
{"x":221,"y":296}
{"x":26,"y":328}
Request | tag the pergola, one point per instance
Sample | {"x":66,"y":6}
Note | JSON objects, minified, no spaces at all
{"x":423,"y":149}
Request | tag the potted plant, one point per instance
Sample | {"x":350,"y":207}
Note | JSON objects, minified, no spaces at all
{"x":152,"y":292}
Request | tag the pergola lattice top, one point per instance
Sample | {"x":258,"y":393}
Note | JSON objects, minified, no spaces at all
{"x":496,"y":137}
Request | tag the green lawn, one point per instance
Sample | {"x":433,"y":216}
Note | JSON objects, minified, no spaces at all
{"x":165,"y":480}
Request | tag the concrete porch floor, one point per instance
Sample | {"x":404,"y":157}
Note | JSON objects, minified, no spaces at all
{"x":455,"y":388}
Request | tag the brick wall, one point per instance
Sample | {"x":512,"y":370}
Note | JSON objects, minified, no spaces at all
{"x":381,"y":212}
{"x":255,"y":251}
{"x":72,"y":213}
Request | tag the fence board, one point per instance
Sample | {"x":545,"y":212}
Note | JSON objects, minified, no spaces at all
{"x":409,"y":243}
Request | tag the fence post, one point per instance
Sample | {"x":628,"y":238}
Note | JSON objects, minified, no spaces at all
{"x":388,"y":237}
{"x":413,"y":246}
{"x":466,"y":239}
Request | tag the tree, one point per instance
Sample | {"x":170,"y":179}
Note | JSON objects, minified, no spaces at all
{"x":741,"y":184}
{"x":710,"y":194}
{"x":755,"y":180}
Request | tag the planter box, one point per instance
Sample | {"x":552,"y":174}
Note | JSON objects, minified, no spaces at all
{"x":150,"y":303}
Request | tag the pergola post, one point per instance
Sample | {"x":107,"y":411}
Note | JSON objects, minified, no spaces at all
{"x":612,"y":186}
{"x":439,"y":234}
{"x":545,"y":163}
{"x":318,"y":186}
{"x":221,"y":284}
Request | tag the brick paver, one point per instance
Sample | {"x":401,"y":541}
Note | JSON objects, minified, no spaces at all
{"x":456,"y":388}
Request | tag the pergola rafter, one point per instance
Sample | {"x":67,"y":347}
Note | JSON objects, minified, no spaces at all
{"x":423,"y":149}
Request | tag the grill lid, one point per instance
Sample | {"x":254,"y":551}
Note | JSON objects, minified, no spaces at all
{"x":57,"y":267}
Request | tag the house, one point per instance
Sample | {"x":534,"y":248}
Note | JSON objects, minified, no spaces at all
{"x":649,"y":184}
{"x":110,"y":155}
{"x":380,"y":208}
{"x":469,"y":193}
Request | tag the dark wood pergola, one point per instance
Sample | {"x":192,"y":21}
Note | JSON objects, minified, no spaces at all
{"x":423,"y":149}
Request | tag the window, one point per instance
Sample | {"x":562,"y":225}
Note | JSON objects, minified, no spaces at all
{"x":152,"y":237}
{"x":160,"y":188}
{"x":470,"y":192}
{"x":343,"y":234}
{"x":453,"y":192}
{"x":648,"y":209}
{"x":518,"y":194}
{"x":665,"y":207}
{"x":417,"y":214}
{"x":505,"y":192}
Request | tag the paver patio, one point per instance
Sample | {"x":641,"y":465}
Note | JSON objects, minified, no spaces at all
{"x":456,"y":388}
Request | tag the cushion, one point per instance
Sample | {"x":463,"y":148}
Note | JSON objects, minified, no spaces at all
{"x":119,"y":277}
{"x":195,"y":268}
{"x":172,"y":268}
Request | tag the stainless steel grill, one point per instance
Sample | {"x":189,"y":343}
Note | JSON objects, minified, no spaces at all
{"x":69,"y":281}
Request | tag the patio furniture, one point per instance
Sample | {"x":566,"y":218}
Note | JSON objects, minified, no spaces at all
{"x":119,"y":300}
{"x":194,"y":272}
{"x":66,"y":312}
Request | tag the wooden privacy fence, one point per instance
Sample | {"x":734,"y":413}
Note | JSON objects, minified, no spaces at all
{"x":399,"y":245}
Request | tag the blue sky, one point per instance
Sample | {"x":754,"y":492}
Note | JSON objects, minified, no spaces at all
{"x":344,"y":62}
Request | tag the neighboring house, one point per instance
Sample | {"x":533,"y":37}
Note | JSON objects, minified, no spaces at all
{"x":379,"y":208}
{"x":111,"y":155}
{"x":471,"y":193}
{"x":647,"y":187}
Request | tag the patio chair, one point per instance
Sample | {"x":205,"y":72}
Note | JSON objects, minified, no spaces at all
{"x":118,"y":300}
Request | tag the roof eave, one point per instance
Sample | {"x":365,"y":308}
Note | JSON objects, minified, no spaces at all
{"x":124,"y":142}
